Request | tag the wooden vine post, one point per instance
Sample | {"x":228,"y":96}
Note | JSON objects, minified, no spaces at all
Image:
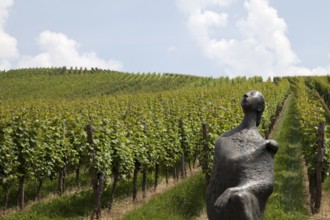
{"x":62,"y":172}
{"x":205,"y":149}
{"x":183,"y":146}
{"x":96,"y":176}
{"x":144,"y":170}
{"x":319,"y":166}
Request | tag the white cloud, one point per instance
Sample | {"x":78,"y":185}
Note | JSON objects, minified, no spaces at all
{"x":8,"y":44}
{"x":262,"y":47}
{"x":59,"y":50}
{"x":4,"y":7}
{"x":190,"y":6}
{"x":200,"y":23}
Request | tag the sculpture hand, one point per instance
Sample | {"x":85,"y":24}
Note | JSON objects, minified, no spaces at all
{"x":223,"y":199}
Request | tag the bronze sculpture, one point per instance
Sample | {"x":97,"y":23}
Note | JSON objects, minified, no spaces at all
{"x":242,"y":176}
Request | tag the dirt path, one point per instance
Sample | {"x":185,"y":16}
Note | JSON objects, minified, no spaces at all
{"x":123,"y":206}
{"x":324,"y":213}
{"x":202,"y":216}
{"x":276,"y":124}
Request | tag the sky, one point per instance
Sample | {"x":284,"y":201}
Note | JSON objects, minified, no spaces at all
{"x":197,"y":37}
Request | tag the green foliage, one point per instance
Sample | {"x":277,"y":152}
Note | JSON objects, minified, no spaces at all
{"x":55,"y":83}
{"x":311,"y":113}
{"x":8,"y":159}
{"x":322,"y":85}
{"x":150,"y":118}
{"x":47,"y":136}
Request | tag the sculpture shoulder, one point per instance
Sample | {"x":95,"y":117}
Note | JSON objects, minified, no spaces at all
{"x":225,"y":142}
{"x":222,"y":141}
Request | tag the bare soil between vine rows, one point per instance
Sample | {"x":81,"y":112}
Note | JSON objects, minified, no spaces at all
{"x":324,"y":213}
{"x":123,"y":206}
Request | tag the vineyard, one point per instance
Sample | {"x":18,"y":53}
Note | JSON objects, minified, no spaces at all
{"x":99,"y":130}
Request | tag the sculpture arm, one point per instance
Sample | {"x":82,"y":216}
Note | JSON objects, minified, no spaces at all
{"x":255,"y":188}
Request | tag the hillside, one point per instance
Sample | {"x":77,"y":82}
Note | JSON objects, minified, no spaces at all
{"x":50,"y":83}
{"x":63,"y":128}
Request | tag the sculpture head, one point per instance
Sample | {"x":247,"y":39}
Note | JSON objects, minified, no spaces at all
{"x":253,"y":101}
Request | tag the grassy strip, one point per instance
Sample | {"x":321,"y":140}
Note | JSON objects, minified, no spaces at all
{"x":326,"y":184}
{"x":184,"y":201}
{"x":48,"y":187}
{"x":75,"y":206}
{"x":66,"y":207}
{"x":287,"y":201}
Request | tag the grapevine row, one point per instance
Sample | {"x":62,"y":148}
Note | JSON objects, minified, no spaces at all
{"x":322,"y":86}
{"x":311,"y":116}
{"x":118,"y":137}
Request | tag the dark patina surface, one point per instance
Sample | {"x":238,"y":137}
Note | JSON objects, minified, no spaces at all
{"x":242,"y":175}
